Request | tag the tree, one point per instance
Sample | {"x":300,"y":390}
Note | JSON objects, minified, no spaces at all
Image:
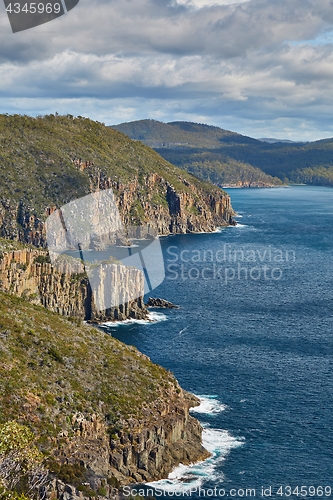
{"x":21,"y":463}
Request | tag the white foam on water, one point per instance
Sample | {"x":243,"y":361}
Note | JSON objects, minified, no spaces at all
{"x":209,"y":405}
{"x":188,"y":477}
{"x":223,"y":228}
{"x":153,"y":317}
{"x":157,"y":317}
{"x":128,"y":246}
{"x":244,"y":226}
{"x":218,"y":442}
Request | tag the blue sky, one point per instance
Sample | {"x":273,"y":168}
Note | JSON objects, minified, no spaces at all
{"x":263,"y":68}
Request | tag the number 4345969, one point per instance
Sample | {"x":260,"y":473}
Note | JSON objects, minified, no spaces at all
{"x":305,"y":491}
{"x":34,"y":8}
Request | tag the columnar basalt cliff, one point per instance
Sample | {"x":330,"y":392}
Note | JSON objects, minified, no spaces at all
{"x":65,"y":288}
{"x":144,"y":449}
{"x":160,"y":206}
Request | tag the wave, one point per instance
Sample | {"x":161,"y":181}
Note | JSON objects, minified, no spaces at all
{"x":128,"y":246}
{"x":209,"y":405}
{"x":186,"y":477}
{"x":157,"y":317}
{"x":218,"y":442}
{"x":238,"y":225}
{"x":245,"y":226}
{"x":153,"y":317}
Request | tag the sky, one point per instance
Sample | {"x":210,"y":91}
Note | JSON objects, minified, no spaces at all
{"x":263,"y":68}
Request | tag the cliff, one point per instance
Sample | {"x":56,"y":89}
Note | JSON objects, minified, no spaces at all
{"x":104,"y":415}
{"x":48,"y":162}
{"x":26,"y":272}
{"x":143,"y":449}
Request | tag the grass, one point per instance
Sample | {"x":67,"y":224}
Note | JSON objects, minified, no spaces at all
{"x":52,"y":368}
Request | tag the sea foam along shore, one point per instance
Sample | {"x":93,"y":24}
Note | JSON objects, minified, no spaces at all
{"x":217,"y":441}
{"x":153,"y":317}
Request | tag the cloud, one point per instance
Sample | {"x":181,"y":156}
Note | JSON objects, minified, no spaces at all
{"x":199,"y":4}
{"x":153,"y":26}
{"x":253,"y":62}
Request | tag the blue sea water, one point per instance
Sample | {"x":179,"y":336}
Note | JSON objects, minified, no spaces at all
{"x":255,"y":344}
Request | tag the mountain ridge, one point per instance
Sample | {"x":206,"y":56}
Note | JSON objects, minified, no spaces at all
{"x":228,"y":158}
{"x":195,"y":148}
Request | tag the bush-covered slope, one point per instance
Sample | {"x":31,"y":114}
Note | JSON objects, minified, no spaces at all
{"x":52,"y":368}
{"x":201,"y":150}
{"x":222,"y":156}
{"x":48,"y":161}
{"x":92,"y":402}
{"x":158,"y":134}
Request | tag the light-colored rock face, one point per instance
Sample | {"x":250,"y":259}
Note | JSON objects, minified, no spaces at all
{"x":66,"y":292}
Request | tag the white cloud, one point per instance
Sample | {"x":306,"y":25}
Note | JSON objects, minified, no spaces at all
{"x":199,"y":4}
{"x":228,"y":62}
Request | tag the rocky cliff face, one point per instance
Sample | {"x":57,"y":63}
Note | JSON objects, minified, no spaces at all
{"x":105,"y":414}
{"x":143,"y":450}
{"x":151,"y":202}
{"x":249,"y":184}
{"x":65,"y":289}
{"x":169,"y":209}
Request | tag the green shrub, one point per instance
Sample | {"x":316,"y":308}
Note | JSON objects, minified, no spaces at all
{"x":42,"y":259}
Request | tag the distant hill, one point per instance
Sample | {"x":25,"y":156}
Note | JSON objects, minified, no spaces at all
{"x":201,"y":150}
{"x":228,"y":158}
{"x":159,"y":135}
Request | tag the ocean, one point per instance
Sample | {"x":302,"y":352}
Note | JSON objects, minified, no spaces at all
{"x":253,"y":338}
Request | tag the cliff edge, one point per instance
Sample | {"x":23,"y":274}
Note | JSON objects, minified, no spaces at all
{"x":103,"y":414}
{"x":50,"y":161}
{"x":26,"y":272}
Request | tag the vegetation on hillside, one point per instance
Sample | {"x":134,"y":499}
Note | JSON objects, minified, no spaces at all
{"x":200,"y":149}
{"x":214,"y":153}
{"x":51,"y":368}
{"x":157,"y":134}
{"x":219,"y":169}
{"x":40,"y":159}
{"x":21,"y":463}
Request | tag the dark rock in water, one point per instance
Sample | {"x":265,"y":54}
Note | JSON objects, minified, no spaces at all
{"x":161,"y":303}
